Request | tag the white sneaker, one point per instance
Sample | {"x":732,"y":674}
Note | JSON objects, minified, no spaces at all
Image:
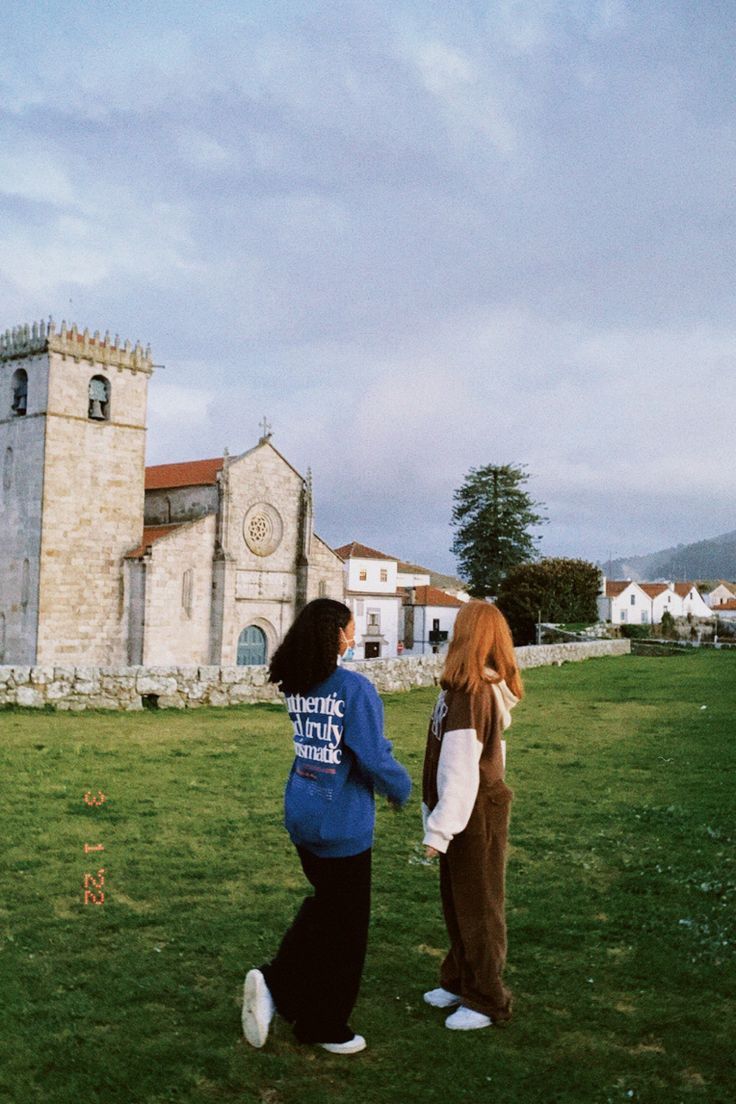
{"x":352,"y":1046}
{"x":258,"y":1008}
{"x":441,"y":998}
{"x":465,"y":1019}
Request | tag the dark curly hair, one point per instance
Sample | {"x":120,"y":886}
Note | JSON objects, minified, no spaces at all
{"x":308,"y":653}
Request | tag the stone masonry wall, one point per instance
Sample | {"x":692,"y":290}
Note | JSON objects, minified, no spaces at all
{"x":125,"y":688}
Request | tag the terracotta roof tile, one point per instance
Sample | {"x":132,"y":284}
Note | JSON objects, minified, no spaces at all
{"x":653,"y":589}
{"x":614,"y":587}
{"x":413,"y":569}
{"x":151,"y":533}
{"x":190,"y":473}
{"x":431,"y":596}
{"x":361,"y":551}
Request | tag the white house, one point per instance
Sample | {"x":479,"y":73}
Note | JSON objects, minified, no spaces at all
{"x":371,"y":594}
{"x":662,"y":596}
{"x":412,"y":575}
{"x":626,"y":602}
{"x":429,"y":618}
{"x":692,"y":602}
{"x":395,"y":608}
{"x":720,"y":595}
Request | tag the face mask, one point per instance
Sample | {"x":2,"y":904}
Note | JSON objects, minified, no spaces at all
{"x":350,"y":650}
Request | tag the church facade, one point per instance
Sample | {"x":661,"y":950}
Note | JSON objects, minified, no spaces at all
{"x":105,"y":562}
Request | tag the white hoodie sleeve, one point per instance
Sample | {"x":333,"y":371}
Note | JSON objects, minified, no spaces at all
{"x":458,"y":778}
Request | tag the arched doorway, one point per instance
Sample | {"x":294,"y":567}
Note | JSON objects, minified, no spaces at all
{"x":251,"y":647}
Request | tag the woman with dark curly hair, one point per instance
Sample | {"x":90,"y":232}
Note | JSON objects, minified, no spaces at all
{"x":341,"y":757}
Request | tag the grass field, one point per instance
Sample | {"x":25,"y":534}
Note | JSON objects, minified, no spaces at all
{"x":621,"y":890}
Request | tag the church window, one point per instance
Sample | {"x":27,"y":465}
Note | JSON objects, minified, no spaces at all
{"x":167,"y":509}
{"x":186,"y":592}
{"x":8,"y":469}
{"x":98,"y":409}
{"x":25,"y":584}
{"x":384,"y":575}
{"x":251,"y":647}
{"x":19,"y":403}
{"x":262,"y":529}
{"x":2,"y":637}
{"x":322,"y":589}
{"x":362,"y":574}
{"x":374,"y":622}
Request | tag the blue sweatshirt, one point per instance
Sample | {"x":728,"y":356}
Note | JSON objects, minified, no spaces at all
{"x":341,"y":757}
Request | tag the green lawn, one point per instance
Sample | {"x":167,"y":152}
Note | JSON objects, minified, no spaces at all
{"x":621,"y":904}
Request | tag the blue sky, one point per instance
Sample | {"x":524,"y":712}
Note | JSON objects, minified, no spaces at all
{"x":419,"y":237}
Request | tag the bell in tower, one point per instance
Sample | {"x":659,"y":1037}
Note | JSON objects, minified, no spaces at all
{"x":99,"y":393}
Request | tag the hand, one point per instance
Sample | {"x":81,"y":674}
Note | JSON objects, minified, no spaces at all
{"x":430,"y":852}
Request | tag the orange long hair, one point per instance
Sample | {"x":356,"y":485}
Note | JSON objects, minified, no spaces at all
{"x":481,"y":639}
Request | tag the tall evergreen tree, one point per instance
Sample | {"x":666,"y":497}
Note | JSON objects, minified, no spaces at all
{"x":492,"y":518}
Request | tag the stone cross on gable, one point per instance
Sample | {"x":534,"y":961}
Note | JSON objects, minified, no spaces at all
{"x":266,"y":427}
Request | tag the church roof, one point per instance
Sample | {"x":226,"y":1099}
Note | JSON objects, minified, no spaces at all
{"x":152,"y":533}
{"x":190,"y":473}
{"x":361,"y":552}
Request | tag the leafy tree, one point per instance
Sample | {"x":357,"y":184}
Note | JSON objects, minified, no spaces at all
{"x":492,"y":517}
{"x":558,"y":589}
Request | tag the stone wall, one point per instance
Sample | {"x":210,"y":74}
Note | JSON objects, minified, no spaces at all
{"x":131,"y":688}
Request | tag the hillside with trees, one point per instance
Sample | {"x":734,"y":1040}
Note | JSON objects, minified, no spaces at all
{"x":714,"y":558}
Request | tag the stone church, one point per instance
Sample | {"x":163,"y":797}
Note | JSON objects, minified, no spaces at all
{"x":104,"y":562}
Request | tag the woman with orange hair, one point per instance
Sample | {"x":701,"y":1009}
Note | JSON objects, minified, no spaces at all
{"x":466,"y":808}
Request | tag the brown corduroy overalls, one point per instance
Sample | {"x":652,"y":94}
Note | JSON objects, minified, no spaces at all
{"x":472,"y":872}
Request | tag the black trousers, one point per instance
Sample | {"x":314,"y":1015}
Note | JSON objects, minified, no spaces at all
{"x":315,"y":977}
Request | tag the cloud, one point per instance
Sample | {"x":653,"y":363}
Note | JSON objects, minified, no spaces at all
{"x":418,"y":240}
{"x":35,"y":175}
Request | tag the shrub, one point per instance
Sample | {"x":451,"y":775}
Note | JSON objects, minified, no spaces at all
{"x":636,"y":632}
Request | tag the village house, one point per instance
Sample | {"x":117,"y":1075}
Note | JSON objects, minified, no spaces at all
{"x":428,"y":619}
{"x":370,"y":592}
{"x":627,"y":602}
{"x":396,"y":609}
{"x":720,"y":595}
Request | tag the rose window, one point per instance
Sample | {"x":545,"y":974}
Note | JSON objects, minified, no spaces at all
{"x":262,"y":529}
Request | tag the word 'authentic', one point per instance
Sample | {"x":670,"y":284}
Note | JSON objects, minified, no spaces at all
{"x":328,"y":731}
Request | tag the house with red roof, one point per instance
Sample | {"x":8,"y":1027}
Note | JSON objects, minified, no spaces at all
{"x":395,"y":608}
{"x":623,"y":601}
{"x":429,"y":618}
{"x":721,"y":594}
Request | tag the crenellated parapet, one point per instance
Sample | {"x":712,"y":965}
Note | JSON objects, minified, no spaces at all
{"x":42,"y":337}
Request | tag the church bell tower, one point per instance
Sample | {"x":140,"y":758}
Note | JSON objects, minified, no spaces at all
{"x":72,"y":450}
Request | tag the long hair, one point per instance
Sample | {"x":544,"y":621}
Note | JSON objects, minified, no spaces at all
{"x":481,"y":639}
{"x":308,"y":653}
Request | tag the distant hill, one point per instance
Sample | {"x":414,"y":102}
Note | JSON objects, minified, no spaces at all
{"x":706,"y":559}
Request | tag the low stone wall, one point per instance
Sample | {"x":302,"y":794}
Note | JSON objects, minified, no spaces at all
{"x":131,"y":688}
